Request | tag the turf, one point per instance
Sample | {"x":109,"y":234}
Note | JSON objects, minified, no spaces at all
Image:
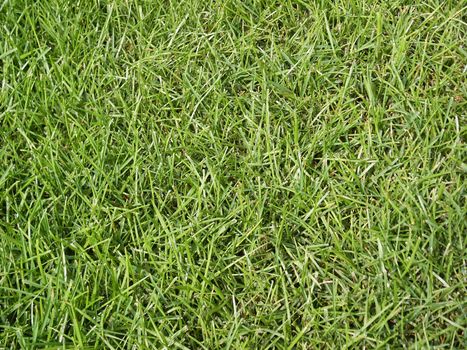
{"x":232,"y":174}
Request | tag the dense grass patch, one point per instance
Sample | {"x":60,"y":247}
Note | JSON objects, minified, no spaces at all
{"x":232,"y":174}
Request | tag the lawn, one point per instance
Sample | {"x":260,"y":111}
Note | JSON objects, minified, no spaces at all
{"x":257,"y":174}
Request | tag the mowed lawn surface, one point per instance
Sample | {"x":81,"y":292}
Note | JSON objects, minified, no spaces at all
{"x":232,"y":174}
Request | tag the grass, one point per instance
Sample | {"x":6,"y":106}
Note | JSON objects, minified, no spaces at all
{"x":232,"y":174}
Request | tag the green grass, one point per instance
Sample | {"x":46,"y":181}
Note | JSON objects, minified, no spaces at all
{"x":233,"y":174}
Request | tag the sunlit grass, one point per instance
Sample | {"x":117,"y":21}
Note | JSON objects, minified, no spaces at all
{"x":232,"y":174}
